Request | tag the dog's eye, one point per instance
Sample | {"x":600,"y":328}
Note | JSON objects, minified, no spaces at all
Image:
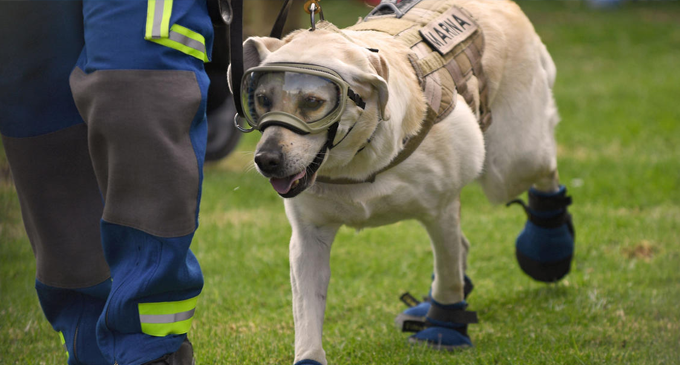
{"x":263,"y":101}
{"x":311,"y":103}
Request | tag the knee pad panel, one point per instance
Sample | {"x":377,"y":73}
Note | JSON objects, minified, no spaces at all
{"x":61,"y":206}
{"x":139,"y":136}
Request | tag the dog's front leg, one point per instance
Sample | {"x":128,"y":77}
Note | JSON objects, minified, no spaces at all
{"x":310,"y":248}
{"x":447,"y":319}
{"x":450,"y":253}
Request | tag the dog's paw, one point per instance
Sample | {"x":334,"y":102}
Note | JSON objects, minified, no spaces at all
{"x":545,"y":247}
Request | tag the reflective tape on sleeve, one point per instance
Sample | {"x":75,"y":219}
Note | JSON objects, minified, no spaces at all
{"x":165,"y":318}
{"x":158,"y":19}
{"x":184,"y":40}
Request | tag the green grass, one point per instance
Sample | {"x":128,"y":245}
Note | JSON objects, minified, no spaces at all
{"x":617,"y":89}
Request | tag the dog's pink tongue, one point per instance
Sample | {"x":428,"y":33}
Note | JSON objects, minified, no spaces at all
{"x":282,"y":185}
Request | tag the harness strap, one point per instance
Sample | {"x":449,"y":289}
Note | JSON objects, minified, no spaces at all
{"x":434,"y":71}
{"x":410,"y":145}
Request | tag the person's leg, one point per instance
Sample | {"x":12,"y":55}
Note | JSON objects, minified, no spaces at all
{"x":144,"y":101}
{"x":45,"y":141}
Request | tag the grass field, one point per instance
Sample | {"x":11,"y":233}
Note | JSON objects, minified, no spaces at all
{"x":618,"y":91}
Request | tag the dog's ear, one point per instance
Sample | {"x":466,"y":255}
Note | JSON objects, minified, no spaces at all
{"x":379,"y":64}
{"x":379,"y":81}
{"x":255,"y":49}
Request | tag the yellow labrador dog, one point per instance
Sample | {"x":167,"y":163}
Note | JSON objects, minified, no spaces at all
{"x":338,"y":110}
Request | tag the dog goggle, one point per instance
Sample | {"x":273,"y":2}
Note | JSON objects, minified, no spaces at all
{"x":301,"y":97}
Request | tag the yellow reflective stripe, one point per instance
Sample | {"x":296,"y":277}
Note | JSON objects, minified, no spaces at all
{"x":168,"y":307}
{"x":63,"y":343}
{"x":150,"y":7}
{"x":158,"y":14}
{"x":165,"y":23}
{"x":184,"y":40}
{"x":165,"y":318}
{"x":164,"y":329}
{"x":189,"y":33}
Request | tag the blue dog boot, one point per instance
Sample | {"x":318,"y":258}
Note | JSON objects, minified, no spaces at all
{"x":545,"y":247}
{"x":446,"y":327}
{"x":307,"y":362}
{"x":413,"y":318}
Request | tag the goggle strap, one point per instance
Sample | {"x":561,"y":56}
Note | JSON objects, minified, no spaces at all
{"x":332,"y":131}
{"x":343,"y":137}
{"x":262,"y":127}
{"x":356,"y":98}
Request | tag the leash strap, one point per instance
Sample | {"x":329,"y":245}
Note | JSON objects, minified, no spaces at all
{"x":236,"y":52}
{"x":236,"y":45}
{"x":277,"y":29}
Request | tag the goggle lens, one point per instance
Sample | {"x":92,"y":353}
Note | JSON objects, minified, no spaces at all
{"x":310,"y":98}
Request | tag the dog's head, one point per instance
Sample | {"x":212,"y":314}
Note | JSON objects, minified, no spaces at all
{"x":317,"y":97}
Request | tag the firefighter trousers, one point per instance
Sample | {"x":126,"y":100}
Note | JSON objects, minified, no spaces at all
{"x":103,"y":124}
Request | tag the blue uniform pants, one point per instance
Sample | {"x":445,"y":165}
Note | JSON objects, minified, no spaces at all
{"x":103,"y":124}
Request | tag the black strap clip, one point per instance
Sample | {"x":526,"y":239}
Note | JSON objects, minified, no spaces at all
{"x":409,"y":300}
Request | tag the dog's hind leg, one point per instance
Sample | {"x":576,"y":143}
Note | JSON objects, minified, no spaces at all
{"x":446,"y":320}
{"x":310,"y":248}
{"x":545,"y":247}
{"x":549,"y":183}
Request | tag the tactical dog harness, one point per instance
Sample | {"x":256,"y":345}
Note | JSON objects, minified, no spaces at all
{"x":446,"y":54}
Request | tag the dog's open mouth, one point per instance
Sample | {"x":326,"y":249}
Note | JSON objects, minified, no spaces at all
{"x":291,"y":186}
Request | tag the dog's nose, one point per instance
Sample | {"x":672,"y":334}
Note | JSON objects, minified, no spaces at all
{"x":269,"y":161}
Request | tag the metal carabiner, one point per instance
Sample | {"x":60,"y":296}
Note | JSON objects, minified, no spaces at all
{"x":312,"y":12}
{"x":312,"y":7}
{"x":238,"y":125}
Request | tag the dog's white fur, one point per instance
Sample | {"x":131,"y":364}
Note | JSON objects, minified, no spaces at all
{"x":517,"y":151}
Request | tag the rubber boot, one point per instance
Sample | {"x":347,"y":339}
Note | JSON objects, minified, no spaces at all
{"x":413,"y":318}
{"x":446,"y":327}
{"x":545,"y":248}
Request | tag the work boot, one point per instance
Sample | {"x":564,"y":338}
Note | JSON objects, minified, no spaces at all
{"x":183,"y":356}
